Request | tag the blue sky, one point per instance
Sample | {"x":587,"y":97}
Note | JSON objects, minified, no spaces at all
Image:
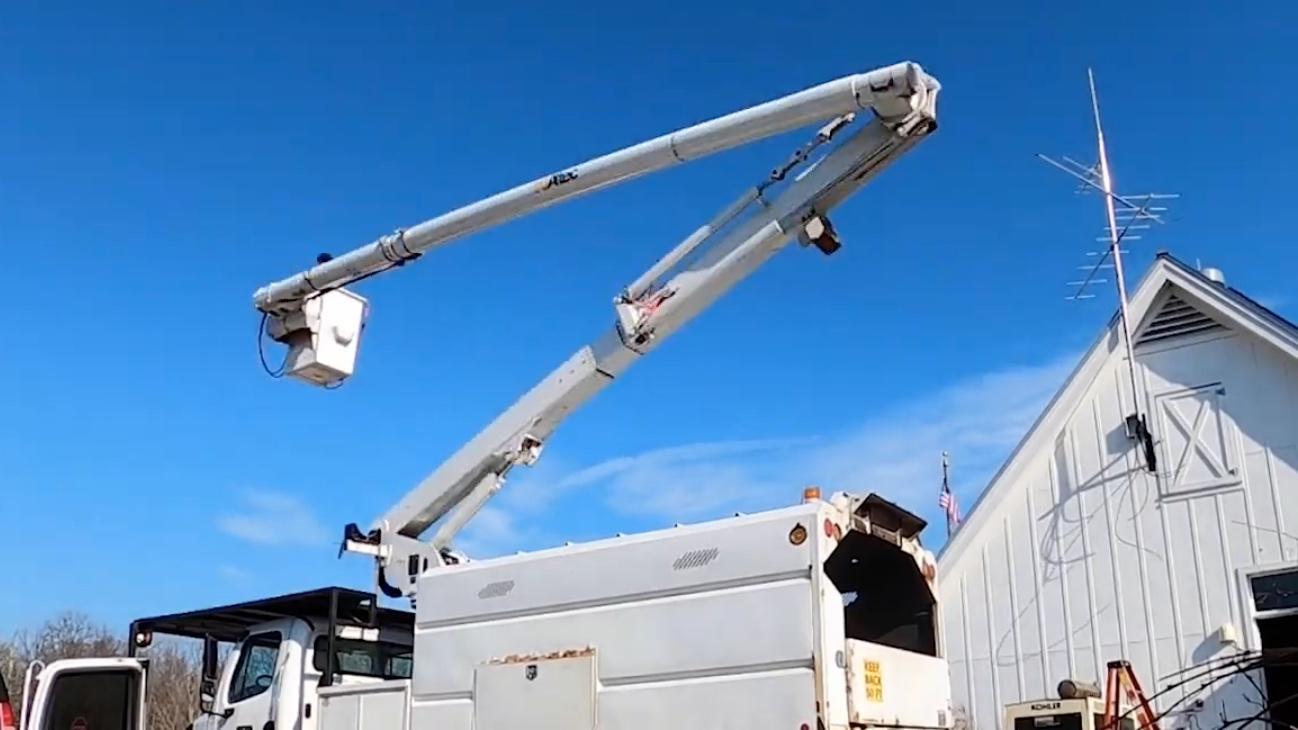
{"x":160,"y":161}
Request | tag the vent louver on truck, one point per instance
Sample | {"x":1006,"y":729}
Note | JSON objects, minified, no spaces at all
{"x":1175,"y":318}
{"x":696,"y":559}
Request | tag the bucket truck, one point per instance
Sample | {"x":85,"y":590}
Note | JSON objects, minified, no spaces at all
{"x":818,"y":615}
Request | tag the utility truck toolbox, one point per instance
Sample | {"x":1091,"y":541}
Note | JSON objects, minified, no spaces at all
{"x":819,"y":615}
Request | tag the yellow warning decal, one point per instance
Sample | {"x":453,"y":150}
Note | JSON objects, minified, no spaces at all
{"x":873,"y":681}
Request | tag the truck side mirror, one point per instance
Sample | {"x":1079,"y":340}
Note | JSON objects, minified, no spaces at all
{"x":211,"y":660}
{"x":210,"y":676}
{"x":206,"y":695}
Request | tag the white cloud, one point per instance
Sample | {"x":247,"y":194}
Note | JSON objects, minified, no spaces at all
{"x":493,"y":531}
{"x":978,"y":420}
{"x":895,"y":452}
{"x":689,"y":480}
{"x":233,"y":574}
{"x":274,"y":518}
{"x":660,"y":482}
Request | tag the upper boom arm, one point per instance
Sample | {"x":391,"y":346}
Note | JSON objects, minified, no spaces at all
{"x":892,"y":92}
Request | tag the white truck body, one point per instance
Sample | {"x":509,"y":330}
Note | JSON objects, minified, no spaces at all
{"x":728,"y":624}
{"x":743,"y":623}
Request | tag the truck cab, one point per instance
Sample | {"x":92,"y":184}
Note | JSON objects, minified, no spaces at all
{"x":264,"y":666}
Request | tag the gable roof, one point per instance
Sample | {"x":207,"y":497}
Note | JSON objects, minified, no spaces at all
{"x":1168,"y":281}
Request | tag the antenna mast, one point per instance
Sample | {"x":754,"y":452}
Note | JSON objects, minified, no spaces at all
{"x":1115,"y":241}
{"x":1135,"y":214}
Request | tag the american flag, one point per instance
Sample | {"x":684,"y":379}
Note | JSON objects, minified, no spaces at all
{"x":946,"y":499}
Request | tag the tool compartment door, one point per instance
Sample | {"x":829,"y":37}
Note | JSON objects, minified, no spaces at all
{"x":540,"y":694}
{"x":369,"y":706}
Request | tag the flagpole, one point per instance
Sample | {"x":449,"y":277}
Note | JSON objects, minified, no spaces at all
{"x":946,"y":488}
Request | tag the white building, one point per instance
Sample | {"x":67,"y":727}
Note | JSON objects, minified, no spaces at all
{"x":1076,"y":555}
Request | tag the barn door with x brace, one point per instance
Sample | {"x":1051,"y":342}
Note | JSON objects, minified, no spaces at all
{"x":1198,"y":443}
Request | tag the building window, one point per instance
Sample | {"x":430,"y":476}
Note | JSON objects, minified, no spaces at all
{"x":1275,"y":591}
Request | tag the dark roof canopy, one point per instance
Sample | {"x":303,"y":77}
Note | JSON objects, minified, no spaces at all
{"x":231,"y":623}
{"x":891,"y":516}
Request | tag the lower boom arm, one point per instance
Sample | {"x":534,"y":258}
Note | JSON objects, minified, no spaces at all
{"x":658,"y":304}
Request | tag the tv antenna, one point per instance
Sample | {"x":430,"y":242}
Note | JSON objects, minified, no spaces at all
{"x":1125,"y":217}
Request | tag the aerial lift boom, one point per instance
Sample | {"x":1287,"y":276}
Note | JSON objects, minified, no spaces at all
{"x":893,"y":92}
{"x":321,"y":322}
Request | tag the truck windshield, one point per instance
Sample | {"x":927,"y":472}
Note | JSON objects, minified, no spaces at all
{"x":365,"y":658}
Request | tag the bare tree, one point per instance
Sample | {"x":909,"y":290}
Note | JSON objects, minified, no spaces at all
{"x":174,"y":666}
{"x":1184,"y":692}
{"x":174,"y":672}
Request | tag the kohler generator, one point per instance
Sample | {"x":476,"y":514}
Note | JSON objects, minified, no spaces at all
{"x":1079,"y":707}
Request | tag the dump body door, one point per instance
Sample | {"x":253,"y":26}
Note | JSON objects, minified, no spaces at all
{"x":889,"y":687}
{"x":88,"y":694}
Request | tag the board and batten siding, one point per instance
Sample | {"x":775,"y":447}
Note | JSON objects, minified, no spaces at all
{"x":1085,"y":557}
